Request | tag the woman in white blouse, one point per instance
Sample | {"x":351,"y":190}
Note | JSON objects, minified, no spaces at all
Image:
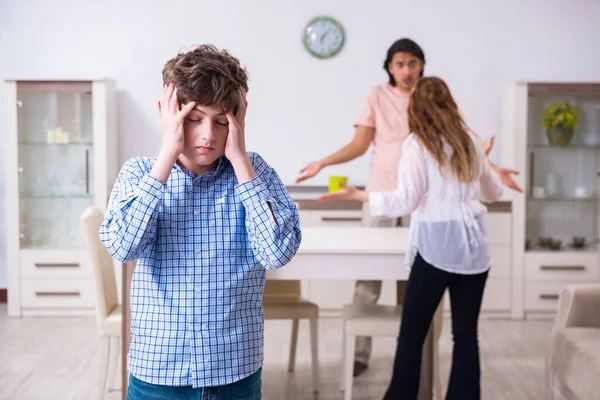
{"x":443,"y":176}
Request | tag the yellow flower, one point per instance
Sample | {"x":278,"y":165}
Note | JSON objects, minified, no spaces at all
{"x":560,"y":114}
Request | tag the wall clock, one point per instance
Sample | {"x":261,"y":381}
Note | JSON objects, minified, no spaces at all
{"x":323,"y":37}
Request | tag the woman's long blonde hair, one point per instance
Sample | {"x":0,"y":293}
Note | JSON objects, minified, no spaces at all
{"x":433,"y":115}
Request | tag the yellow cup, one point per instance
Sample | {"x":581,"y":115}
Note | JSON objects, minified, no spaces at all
{"x":334,"y":183}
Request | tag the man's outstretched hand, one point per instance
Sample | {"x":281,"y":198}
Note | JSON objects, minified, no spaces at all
{"x":506,"y":178}
{"x":504,"y":174}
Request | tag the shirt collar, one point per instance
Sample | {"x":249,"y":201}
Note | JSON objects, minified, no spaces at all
{"x":222,"y":163}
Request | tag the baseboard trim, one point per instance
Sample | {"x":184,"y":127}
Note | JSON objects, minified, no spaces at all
{"x":3,"y":295}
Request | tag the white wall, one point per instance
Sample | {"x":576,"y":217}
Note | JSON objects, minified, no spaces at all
{"x":300,"y":108}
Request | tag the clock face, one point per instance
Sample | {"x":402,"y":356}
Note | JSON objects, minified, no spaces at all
{"x":323,"y":37}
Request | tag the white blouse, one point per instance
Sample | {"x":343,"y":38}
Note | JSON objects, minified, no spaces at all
{"x":447,"y":224}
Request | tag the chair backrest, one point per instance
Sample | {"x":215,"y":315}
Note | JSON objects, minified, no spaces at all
{"x":105,"y":282}
{"x":282,"y":288}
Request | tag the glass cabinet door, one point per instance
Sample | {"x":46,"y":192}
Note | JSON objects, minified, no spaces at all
{"x":55,"y":162}
{"x":562,"y":191}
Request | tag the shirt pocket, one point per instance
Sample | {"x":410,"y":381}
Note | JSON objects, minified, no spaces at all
{"x":230,"y":224}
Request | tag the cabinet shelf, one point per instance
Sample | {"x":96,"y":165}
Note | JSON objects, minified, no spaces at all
{"x":46,"y":144}
{"x":56,"y":196}
{"x":563,"y":199}
{"x":566,"y":248}
{"x":540,"y":146}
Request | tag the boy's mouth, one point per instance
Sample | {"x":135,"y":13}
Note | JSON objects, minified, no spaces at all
{"x":204,"y":149}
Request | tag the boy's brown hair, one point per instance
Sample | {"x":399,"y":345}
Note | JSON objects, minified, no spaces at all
{"x":208,"y":76}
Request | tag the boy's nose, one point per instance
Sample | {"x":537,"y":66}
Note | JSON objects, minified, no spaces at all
{"x":208,"y":131}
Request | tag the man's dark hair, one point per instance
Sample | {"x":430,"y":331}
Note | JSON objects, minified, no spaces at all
{"x":404,"y":45}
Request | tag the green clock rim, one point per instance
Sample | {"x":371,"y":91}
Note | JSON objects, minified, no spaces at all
{"x":331,"y":53}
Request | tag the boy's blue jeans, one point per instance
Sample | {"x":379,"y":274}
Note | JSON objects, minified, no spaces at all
{"x":249,"y":388}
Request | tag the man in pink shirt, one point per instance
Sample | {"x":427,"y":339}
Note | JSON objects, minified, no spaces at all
{"x":383,"y":122}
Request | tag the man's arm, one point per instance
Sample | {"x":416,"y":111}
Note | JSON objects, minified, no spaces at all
{"x":489,"y":183}
{"x":503,"y":173}
{"x":363,"y":136}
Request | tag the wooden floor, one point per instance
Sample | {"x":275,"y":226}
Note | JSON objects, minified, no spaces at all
{"x":59,"y":358}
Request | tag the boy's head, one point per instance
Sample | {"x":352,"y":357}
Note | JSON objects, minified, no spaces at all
{"x":213,"y":79}
{"x":404,"y":64}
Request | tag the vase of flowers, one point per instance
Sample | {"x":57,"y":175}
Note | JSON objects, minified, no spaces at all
{"x":560,"y":121}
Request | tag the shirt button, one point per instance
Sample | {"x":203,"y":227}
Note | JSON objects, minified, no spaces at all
{"x":196,"y":212}
{"x":197,"y":249}
{"x":198,"y":289}
{"x":158,"y":193}
{"x":197,"y":328}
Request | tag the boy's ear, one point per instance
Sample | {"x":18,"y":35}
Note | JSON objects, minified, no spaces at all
{"x":159,"y":109}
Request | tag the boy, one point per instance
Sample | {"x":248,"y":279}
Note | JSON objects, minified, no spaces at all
{"x":204,"y":219}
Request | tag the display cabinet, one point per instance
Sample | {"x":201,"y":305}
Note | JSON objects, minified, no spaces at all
{"x":61,"y":157}
{"x":553,"y":134}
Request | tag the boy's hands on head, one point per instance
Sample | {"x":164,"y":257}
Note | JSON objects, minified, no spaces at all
{"x":235,"y":147}
{"x":172,"y":142}
{"x":172,"y":118}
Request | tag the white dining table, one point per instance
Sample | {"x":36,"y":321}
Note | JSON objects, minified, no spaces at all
{"x":348,"y":253}
{"x":352,"y":253}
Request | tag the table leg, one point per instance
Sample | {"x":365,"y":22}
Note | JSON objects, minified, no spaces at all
{"x":400,"y":292}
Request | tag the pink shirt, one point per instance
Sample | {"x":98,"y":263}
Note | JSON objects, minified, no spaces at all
{"x":385,"y":110}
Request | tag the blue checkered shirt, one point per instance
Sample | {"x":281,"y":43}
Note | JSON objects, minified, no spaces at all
{"x":203,"y":244}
